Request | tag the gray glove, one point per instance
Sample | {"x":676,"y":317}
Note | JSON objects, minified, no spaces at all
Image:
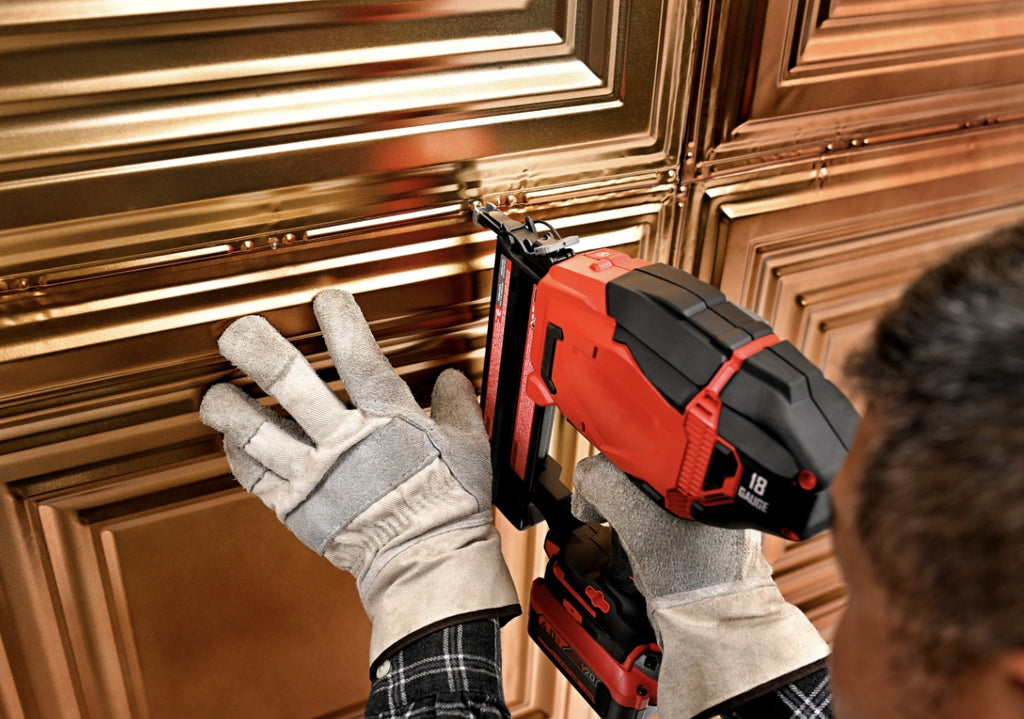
{"x":399,"y":499}
{"x":723,"y":626}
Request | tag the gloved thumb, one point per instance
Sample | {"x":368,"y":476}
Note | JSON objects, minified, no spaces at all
{"x":460,"y":434}
{"x":669,"y":554}
{"x":453,"y":403}
{"x":592,"y":478}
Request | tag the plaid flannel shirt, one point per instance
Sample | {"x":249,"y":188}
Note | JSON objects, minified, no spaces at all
{"x":456,"y":672}
{"x":453,"y":672}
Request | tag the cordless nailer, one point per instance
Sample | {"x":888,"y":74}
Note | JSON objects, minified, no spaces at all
{"x":693,"y":397}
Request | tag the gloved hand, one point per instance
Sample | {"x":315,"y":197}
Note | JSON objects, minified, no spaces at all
{"x":399,"y":499}
{"x":723,"y":626}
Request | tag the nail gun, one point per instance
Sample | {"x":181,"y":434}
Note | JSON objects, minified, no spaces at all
{"x":693,"y":397}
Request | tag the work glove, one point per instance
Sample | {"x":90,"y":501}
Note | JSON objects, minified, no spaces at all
{"x":724,"y":629}
{"x":399,"y":499}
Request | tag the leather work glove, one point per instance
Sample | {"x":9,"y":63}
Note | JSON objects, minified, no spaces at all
{"x":400,"y":500}
{"x":723,"y":626}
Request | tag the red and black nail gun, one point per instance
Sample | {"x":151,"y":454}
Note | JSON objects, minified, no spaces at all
{"x":690,"y":395}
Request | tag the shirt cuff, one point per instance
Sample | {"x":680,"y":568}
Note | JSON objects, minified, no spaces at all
{"x":809,"y":697}
{"x":454,"y":671}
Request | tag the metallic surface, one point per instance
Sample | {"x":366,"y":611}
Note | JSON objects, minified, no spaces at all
{"x":189,"y":132}
{"x":168,"y":166}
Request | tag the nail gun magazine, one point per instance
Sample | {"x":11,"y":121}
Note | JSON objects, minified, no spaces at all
{"x":695,"y":398}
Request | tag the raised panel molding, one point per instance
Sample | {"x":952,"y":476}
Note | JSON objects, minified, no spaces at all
{"x":135,"y":139}
{"x":80,"y":339}
{"x":188,"y":608}
{"x":830,"y":75}
{"x":756,"y":233}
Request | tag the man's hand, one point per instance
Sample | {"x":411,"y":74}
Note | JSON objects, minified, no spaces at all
{"x":399,"y":499}
{"x":723,"y":626}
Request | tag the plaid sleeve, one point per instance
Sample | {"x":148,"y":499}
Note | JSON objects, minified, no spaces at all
{"x":453,"y":672}
{"x":456,"y":672}
{"x":809,"y":697}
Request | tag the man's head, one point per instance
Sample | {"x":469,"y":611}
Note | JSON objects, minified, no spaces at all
{"x":930,"y":507}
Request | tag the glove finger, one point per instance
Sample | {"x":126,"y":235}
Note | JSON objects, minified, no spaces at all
{"x":668,"y":554}
{"x":233,"y":413}
{"x":598,"y":487}
{"x":273,"y":491}
{"x":368,"y":376}
{"x":259,"y":350}
{"x":246,"y":470}
{"x":584,"y":511}
{"x":277,"y":450}
{"x":629,"y":509}
{"x":454,"y":403}
{"x":582,"y":475}
{"x":273,"y":442}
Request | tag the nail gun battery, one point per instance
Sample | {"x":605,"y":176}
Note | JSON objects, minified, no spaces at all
{"x":591,"y":622}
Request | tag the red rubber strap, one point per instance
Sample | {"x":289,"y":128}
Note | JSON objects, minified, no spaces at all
{"x":700,"y":425}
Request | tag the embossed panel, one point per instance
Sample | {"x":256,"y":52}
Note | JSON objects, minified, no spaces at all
{"x":782,"y":238}
{"x":189,"y":608}
{"x":168,"y":166}
{"x":136,"y":563}
{"x":847,"y":72}
{"x":132,"y":138}
{"x":821,"y":249}
{"x":82,"y":336}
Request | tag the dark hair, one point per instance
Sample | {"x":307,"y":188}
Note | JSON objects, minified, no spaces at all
{"x":941,"y":502}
